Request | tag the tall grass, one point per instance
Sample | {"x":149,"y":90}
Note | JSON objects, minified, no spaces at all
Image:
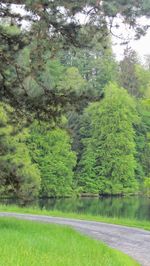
{"x":26,"y":243}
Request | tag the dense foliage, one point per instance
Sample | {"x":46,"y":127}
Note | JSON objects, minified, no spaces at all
{"x":19,"y":177}
{"x":45,"y":28}
{"x":72,"y":119}
{"x":107,"y":164}
{"x":51,"y":150}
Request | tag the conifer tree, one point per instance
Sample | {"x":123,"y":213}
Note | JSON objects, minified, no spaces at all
{"x":53,"y":26}
{"x":108,"y":164}
{"x":51,"y":149}
{"x":19,"y":177}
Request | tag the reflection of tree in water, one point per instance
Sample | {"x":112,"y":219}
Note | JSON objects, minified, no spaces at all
{"x":126,"y":207}
{"x":131,"y":207}
{"x":144,"y":209}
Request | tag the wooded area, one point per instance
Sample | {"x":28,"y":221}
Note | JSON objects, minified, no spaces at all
{"x":73,"y":120}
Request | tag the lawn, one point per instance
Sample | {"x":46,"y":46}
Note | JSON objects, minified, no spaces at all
{"x":26,"y":243}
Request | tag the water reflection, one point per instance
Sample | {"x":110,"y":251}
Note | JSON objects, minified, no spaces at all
{"x":127,"y":207}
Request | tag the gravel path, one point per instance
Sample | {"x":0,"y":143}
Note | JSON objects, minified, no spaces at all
{"x":132,"y":241}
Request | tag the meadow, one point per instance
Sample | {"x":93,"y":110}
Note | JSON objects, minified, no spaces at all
{"x":26,"y":243}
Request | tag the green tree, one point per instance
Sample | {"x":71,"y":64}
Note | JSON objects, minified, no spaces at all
{"x":96,"y":65}
{"x":19,"y":177}
{"x":128,"y":77}
{"x":53,"y":27}
{"x":108,"y":164}
{"x":133,"y":75}
{"x":51,"y":150}
{"x":143,"y":140}
{"x":143,"y":80}
{"x":72,"y":81}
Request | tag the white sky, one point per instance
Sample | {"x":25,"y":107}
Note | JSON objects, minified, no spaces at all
{"x":141,"y":46}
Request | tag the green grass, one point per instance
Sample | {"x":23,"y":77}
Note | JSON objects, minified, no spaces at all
{"x":114,"y":220}
{"x":26,"y":243}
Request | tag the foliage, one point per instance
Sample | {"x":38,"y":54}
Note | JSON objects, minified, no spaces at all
{"x":147,"y":185}
{"x":107,"y":165}
{"x":18,"y":176}
{"x":133,"y":75}
{"x":128,"y":78}
{"x":143,"y":79}
{"x":50,"y":27}
{"x":97,"y":66}
{"x":73,"y":81}
{"x":143,"y":140}
{"x":51,"y":150}
{"x":54,"y":65}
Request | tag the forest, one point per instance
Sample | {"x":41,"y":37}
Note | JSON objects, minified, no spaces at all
{"x":73,"y":120}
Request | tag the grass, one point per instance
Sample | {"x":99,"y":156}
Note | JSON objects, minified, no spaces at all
{"x":113,"y":220}
{"x":26,"y":243}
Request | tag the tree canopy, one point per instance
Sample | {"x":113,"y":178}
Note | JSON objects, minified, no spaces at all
{"x":52,"y":26}
{"x":107,"y":164}
{"x":72,"y":119}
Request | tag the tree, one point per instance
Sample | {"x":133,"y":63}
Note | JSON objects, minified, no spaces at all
{"x":53,"y":26}
{"x":128,"y":77}
{"x":143,"y":140}
{"x":18,"y":176}
{"x":143,"y":80}
{"x":133,"y":75}
{"x":97,"y":65}
{"x":51,"y":150}
{"x":73,"y":81}
{"x":108,"y":164}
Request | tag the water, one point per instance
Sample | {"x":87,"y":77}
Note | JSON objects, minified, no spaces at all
{"x":125,"y":207}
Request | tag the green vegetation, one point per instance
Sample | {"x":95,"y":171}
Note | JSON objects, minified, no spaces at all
{"x":19,"y":177}
{"x":103,"y":149}
{"x":42,"y":244}
{"x":107,"y":163}
{"x":113,"y":220}
{"x":73,"y":120}
{"x":51,"y":150}
{"x":49,"y":33}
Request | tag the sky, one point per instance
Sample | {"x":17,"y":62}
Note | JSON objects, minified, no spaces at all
{"x":141,"y":46}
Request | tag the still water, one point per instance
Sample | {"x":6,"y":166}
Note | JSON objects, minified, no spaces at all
{"x":126,"y":207}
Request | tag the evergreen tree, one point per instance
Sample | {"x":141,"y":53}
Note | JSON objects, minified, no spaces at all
{"x":133,"y":75}
{"x":143,"y":141}
{"x":96,"y":65}
{"x":143,"y":80}
{"x":18,"y":176}
{"x":51,"y":150}
{"x":53,"y":26}
{"x":107,"y":165}
{"x":128,"y":77}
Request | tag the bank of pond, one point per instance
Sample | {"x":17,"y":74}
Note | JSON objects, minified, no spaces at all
{"x":132,"y":207}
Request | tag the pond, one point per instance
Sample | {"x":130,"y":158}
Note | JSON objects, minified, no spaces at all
{"x":126,"y":207}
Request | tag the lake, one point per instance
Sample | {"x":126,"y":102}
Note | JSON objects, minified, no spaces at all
{"x":126,"y":207}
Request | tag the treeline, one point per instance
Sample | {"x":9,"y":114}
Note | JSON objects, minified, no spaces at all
{"x":99,"y":146}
